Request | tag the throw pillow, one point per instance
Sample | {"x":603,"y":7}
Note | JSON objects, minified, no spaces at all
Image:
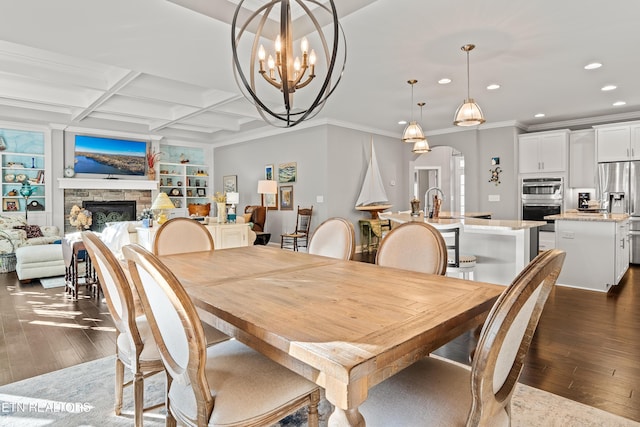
{"x":31,"y":230}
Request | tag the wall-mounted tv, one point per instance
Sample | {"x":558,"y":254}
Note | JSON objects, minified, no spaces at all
{"x":109,"y":156}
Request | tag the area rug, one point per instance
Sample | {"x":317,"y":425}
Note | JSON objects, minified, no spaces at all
{"x":82,"y":395}
{"x":52,"y":282}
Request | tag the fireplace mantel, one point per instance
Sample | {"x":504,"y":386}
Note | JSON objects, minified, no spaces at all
{"x":109,"y":184}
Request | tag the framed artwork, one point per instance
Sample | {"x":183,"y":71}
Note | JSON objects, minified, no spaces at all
{"x":201,"y":192}
{"x":270,"y":201}
{"x":230,"y":183}
{"x":11,"y":204}
{"x":286,"y":197}
{"x":268,"y":172}
{"x":287,"y":172}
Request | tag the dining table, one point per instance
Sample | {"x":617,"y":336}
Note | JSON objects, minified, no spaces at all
{"x":344,"y":325}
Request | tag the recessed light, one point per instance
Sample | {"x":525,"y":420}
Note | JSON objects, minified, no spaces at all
{"x":619,"y":103}
{"x":539,"y":115}
{"x":402,"y":122}
{"x":493,"y":86}
{"x":609,"y":87}
{"x":592,"y":66}
{"x":444,"y":81}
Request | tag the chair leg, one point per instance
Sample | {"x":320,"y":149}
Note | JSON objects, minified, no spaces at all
{"x":313,"y":419}
{"x":138,"y":398}
{"x":119,"y":385}
{"x":170,"y":421}
{"x":295,"y":244}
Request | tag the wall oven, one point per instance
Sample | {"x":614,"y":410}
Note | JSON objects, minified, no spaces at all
{"x":542,"y":197}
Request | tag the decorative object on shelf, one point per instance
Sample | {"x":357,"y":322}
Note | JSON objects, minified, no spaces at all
{"x":288,"y":172}
{"x":69,"y":172}
{"x":26,"y":191}
{"x":33,"y":163}
{"x":183,"y":158}
{"x":9,"y":177}
{"x":233,"y":199}
{"x":175,"y":192}
{"x":15,"y":165}
{"x":146,"y":216}
{"x":495,"y":175}
{"x":201,"y":192}
{"x":201,"y":173}
{"x":269,"y":191}
{"x":3,"y":143}
{"x":161,"y":203}
{"x":21,"y":177}
{"x":229,"y":183}
{"x":287,"y":73}
{"x":10,"y":205}
{"x":286,"y":197}
{"x":189,"y":193}
{"x":152,"y":158}
{"x":415,"y":206}
{"x":413,"y":132}
{"x":469,"y":112}
{"x":80,"y":218}
{"x":12,"y":193}
{"x":421,"y":147}
{"x":179,"y":183}
{"x":34,"y":205}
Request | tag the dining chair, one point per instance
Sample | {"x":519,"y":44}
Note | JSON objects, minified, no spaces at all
{"x":298,"y":238}
{"x":450,"y":394}
{"x":415,"y":246}
{"x":225,"y":384}
{"x":135,"y":348}
{"x":180,"y":235}
{"x":335,"y":238}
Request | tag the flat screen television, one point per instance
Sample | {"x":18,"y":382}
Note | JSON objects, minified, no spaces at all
{"x":97,"y":155}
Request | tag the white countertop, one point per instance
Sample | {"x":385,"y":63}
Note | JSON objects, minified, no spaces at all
{"x":588,"y":216}
{"x":474,"y":223}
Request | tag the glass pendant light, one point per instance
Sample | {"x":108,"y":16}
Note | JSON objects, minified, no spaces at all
{"x":421,"y":147}
{"x":413,"y":132}
{"x":469,"y":113}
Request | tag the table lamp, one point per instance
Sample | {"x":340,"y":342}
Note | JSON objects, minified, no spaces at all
{"x":233,"y":198}
{"x":161,"y":203}
{"x":26,"y":191}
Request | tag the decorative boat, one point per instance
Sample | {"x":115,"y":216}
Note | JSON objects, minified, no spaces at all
{"x":373,"y":197}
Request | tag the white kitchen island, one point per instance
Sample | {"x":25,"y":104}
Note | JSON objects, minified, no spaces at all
{"x":597,"y":247}
{"x":502,"y":247}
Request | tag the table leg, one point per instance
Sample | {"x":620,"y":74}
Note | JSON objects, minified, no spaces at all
{"x":344,"y":418}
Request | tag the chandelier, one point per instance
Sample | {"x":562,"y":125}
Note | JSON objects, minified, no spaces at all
{"x":469,"y":113}
{"x":282,"y":68}
{"x":413,"y":132}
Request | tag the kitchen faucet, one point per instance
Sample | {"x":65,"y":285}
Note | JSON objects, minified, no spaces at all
{"x":428,"y":204}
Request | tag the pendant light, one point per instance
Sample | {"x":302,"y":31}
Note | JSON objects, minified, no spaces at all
{"x":413,"y":132}
{"x":421,"y":147}
{"x":469,"y":113}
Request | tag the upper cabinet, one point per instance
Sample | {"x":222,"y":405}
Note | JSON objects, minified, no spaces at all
{"x":582,"y":158}
{"x":618,"y":142}
{"x":543,"y":152}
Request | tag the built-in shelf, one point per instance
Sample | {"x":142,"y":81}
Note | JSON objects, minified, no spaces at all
{"x":110,"y":184}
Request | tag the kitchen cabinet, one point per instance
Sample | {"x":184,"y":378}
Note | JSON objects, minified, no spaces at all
{"x":618,"y":142}
{"x":582,"y":159}
{"x":543,"y":152}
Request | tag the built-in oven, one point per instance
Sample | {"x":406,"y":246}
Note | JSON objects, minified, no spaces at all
{"x":542,"y":197}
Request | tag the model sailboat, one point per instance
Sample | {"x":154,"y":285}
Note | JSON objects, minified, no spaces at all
{"x":373,"y":197}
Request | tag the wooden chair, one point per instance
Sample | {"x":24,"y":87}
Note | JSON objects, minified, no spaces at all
{"x":448,"y":394}
{"x":298,"y":239}
{"x":225,"y":384}
{"x":335,"y":238}
{"x":180,"y":235}
{"x":415,"y":246}
{"x":135,"y":348}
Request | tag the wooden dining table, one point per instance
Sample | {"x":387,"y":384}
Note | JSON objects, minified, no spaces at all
{"x":345,"y":325}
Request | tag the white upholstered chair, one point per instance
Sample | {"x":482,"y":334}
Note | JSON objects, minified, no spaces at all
{"x":415,"y":246}
{"x":180,"y":235}
{"x":226,"y":384}
{"x":135,"y":348}
{"x":335,"y":238}
{"x":439,"y":393}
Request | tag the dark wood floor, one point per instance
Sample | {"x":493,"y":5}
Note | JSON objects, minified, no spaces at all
{"x":587,"y":347}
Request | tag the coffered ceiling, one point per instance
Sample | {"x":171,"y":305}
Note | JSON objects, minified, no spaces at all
{"x":164,"y":67}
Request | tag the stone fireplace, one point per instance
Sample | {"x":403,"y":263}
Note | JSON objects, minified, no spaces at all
{"x":129,"y":203}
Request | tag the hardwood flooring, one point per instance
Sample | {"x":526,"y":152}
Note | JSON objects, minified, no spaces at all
{"x":586,"y":348}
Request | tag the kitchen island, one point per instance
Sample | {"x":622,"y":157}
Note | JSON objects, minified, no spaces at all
{"x":597,"y":247}
{"x":502,"y":247}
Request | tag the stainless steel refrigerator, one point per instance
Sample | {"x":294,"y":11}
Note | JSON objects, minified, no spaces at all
{"x":618,"y":186}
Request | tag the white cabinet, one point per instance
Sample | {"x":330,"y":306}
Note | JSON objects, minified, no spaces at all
{"x":543,"y":152}
{"x":546,"y":240}
{"x":582,"y":159}
{"x":622,"y":249}
{"x":229,"y":235}
{"x":618,"y":142}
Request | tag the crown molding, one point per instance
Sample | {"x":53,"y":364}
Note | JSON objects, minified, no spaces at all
{"x":114,"y":133}
{"x":585,"y":122}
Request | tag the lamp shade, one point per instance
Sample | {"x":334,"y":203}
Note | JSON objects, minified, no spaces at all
{"x":162,"y":201}
{"x":267,"y":186}
{"x":469,"y":114}
{"x":233,"y":198}
{"x":421,"y":147}
{"x":413,"y":133}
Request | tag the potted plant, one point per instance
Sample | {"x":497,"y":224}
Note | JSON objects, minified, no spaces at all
{"x":152,"y":157}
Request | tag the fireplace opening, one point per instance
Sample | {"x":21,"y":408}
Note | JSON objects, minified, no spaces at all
{"x":111,"y":211}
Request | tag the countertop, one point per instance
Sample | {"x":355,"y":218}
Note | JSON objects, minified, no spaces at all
{"x":476,"y":223}
{"x":588,"y":216}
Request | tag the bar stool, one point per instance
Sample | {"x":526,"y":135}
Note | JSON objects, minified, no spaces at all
{"x":457,"y":263}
